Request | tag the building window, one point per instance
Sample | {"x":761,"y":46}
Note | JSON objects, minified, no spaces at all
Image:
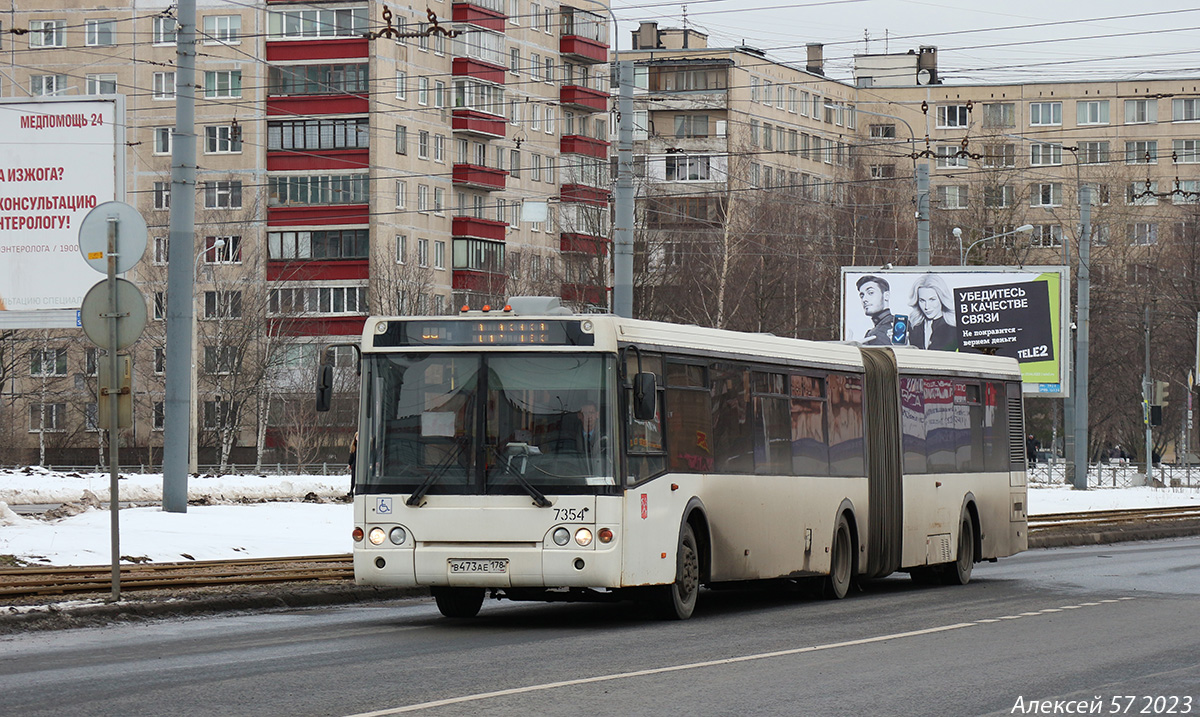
{"x":1046,"y":194}
{"x":1141,"y":111}
{"x":423,"y":144}
{"x":401,"y":248}
{"x":160,"y":416}
{"x":223,"y":194}
{"x":222,"y":139}
{"x":162,"y":140}
{"x":1186,"y":151}
{"x":91,"y":414}
{"x":999,"y":155}
{"x":222,"y":360}
{"x":1091,"y":112}
{"x":423,"y":91}
{"x":696,"y":168}
{"x":101,"y":84}
{"x":91,"y":361}
{"x":1185,"y":110}
{"x":947,"y":157}
{"x":47,"y":33}
{"x":164,"y":86}
{"x":1093,"y":152}
{"x":1045,"y":113}
{"x":950,"y":116}
{"x":1045,"y":155}
{"x":165,"y":30}
{"x":439,"y":148}
{"x":160,"y":361}
{"x":1141,"y":195}
{"x":422,"y":197}
{"x":47,"y":417}
{"x":293,"y":80}
{"x":230,"y":252}
{"x":222,"y":304}
{"x":306,"y":134}
{"x":401,"y":139}
{"x":423,"y":253}
{"x":222,"y":29}
{"x":439,"y":200}
{"x":1000,"y":114}
{"x":48,"y":362}
{"x":479,"y":255}
{"x":161,"y":250}
{"x":319,"y":244}
{"x":160,"y":305}
{"x":883,"y":131}
{"x":1046,"y":235}
{"x":401,"y":194}
{"x":162,"y":195}
{"x":309,"y":23}
{"x":1141,"y":152}
{"x":1142,"y":233}
{"x":47,"y":85}
{"x":439,"y":255}
{"x":998,"y":197}
{"x":1190,"y":189}
{"x":223,"y":84}
{"x":952,"y":196}
{"x":220,"y":414}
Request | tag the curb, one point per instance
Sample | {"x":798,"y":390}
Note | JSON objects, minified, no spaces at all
{"x":1069,"y":537}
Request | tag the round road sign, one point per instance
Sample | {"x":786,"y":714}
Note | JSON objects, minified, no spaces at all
{"x":131,"y":236}
{"x":94,"y":313}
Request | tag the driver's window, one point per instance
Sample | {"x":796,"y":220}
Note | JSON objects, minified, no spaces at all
{"x":644,"y":439}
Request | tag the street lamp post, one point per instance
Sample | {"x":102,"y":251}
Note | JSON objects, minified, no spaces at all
{"x":964,"y":255}
{"x":193,"y":417}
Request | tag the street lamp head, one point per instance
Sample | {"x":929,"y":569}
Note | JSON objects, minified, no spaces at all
{"x":1024,"y":228}
{"x":958,"y":232}
{"x":219,"y":243}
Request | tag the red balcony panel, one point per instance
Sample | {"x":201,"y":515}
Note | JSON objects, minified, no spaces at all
{"x":582,"y":49}
{"x":318,"y":270}
{"x":478,"y":228}
{"x":338,"y":49}
{"x":319,"y":326}
{"x":583,"y":193}
{"x":476,"y":177}
{"x":583,"y":294}
{"x":578,"y":144}
{"x":477,"y":15}
{"x":304,"y":216}
{"x":583,"y":98}
{"x":583,"y":243}
{"x":282,"y":161}
{"x":480,"y":70}
{"x":317,"y":105}
{"x":479,"y":124}
{"x":484,"y":282}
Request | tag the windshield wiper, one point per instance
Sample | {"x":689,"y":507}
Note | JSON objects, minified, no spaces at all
{"x":414,"y":500}
{"x":539,"y":498}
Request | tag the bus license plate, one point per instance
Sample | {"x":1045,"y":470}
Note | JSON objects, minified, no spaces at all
{"x":494,"y":565}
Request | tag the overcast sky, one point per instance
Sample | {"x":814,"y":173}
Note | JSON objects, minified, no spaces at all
{"x":977,"y":40}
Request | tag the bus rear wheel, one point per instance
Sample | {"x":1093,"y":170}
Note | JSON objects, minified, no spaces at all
{"x":678,"y":601}
{"x":458,"y":602}
{"x":959,"y":572}
{"x":841,"y":561}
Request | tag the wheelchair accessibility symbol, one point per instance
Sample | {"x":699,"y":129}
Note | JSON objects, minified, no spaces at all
{"x":384,"y":506}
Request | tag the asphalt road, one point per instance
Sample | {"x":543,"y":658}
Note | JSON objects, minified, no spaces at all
{"x":1115,"y":626}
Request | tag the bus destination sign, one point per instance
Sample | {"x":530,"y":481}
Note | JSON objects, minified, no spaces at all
{"x":483,"y":332}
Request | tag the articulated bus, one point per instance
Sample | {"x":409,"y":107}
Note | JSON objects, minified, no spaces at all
{"x":541,"y":455}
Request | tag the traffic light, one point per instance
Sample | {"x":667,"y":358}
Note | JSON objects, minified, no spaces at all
{"x":1156,"y":415}
{"x":1161,"y":392}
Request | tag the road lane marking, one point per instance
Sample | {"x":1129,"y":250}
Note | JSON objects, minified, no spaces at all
{"x":693,"y":665}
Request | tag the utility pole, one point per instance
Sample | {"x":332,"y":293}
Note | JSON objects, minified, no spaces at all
{"x":1083,"y":306}
{"x":177,"y":430}
{"x":623,"y":197}
{"x":923,"y":214}
{"x":1147,"y":387}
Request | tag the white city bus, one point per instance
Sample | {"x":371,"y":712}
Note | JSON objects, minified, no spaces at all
{"x":542,"y":455}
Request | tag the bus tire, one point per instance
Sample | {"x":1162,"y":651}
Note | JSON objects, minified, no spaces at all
{"x":926,"y":575}
{"x":959,"y":572}
{"x":841,"y":561}
{"x":458,"y":602}
{"x":679,"y":598}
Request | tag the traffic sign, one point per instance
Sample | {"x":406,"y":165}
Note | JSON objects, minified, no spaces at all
{"x":131,"y":237}
{"x":95,"y":314}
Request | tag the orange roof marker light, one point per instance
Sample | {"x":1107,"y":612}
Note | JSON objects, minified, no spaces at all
{"x":486,"y":308}
{"x":465,"y":308}
{"x":508,"y":307}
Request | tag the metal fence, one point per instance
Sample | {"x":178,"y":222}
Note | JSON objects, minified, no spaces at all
{"x":319,"y":469}
{"x":1112,"y":475}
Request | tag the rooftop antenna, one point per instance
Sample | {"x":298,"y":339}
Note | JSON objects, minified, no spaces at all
{"x":866,"y":41}
{"x":885,"y":41}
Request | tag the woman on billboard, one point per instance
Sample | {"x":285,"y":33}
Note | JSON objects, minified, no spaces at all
{"x":932,"y":318}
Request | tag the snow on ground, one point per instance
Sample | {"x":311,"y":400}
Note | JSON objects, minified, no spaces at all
{"x":282,"y":526}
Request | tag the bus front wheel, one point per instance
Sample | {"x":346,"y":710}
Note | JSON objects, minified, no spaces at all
{"x":841,"y":561}
{"x":458,"y":602}
{"x":679,"y":598}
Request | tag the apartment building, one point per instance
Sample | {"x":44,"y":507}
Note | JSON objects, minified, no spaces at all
{"x":354,"y":158}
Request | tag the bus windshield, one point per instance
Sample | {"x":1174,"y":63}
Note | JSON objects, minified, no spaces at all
{"x":469,"y":423}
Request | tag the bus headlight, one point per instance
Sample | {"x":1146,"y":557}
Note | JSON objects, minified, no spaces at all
{"x":561,"y":536}
{"x":583,"y":536}
{"x":397,"y":535}
{"x":376,"y":536}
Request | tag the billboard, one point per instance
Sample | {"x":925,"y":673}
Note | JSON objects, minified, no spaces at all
{"x":60,"y":160}
{"x":1019,"y":312}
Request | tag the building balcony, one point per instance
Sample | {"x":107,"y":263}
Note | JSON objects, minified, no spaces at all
{"x":475,"y":228}
{"x":578,"y":144}
{"x":478,"y":124}
{"x":584,"y":193}
{"x":318,"y":325}
{"x":298,"y":105}
{"x":582,"y":98}
{"x":317,"y":269}
{"x":298,"y":216}
{"x":474,"y":176}
{"x":581,"y":49}
{"x":574,"y":242}
{"x":584,"y":294}
{"x":484,"y":13}
{"x":480,"y":70}
{"x":481,"y":282}
{"x":286,"y":160}
{"x":332,"y":49}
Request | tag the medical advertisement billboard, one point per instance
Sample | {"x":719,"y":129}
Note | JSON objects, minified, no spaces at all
{"x":1019,"y":312}
{"x":60,"y":160}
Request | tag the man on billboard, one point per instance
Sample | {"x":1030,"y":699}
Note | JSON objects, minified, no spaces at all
{"x":875,"y":294}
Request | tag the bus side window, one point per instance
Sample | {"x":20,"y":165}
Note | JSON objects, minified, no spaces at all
{"x":645,"y":454}
{"x":810,"y":438}
{"x":912,"y":424}
{"x":689,"y":423}
{"x":772,"y":424}
{"x":846,"y":446}
{"x":732,"y":418}
{"x":995,"y":428}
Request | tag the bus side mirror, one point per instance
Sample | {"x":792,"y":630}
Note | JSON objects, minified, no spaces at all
{"x":644,"y":395}
{"x":324,"y":387}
